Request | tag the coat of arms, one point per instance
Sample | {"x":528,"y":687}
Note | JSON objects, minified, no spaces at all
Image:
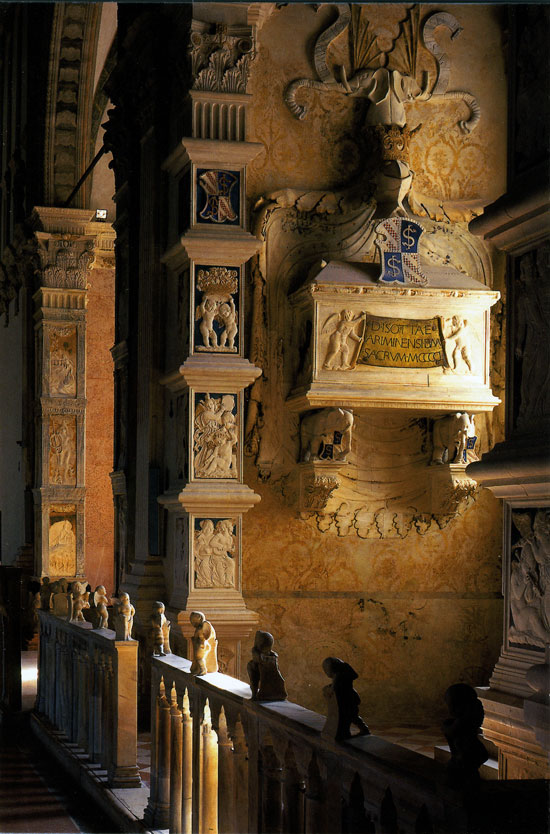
{"x":219,"y":204}
{"x":399,"y":251}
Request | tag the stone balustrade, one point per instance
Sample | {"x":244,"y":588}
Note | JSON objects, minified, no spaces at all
{"x":222,"y":762}
{"x":87,"y":689}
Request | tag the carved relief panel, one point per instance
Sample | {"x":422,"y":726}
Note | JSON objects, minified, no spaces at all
{"x":215,"y":553}
{"x":217,"y":315}
{"x":63,"y":366}
{"x":62,"y":450}
{"x":528,"y":615}
{"x":216,"y":425}
{"x":62,"y":540}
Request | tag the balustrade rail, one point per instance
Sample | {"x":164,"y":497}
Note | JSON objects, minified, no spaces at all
{"x":87,"y":689}
{"x":221,"y":762}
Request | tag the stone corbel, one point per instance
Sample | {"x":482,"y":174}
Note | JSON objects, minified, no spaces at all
{"x":450,"y":487}
{"x":318,"y":480}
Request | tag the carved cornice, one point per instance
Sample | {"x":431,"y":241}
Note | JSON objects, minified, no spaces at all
{"x":69,"y":104}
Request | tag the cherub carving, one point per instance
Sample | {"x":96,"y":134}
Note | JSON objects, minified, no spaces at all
{"x":343,"y":700}
{"x":204,"y":645}
{"x":76,"y":602}
{"x":343,"y":326}
{"x":100,"y":601}
{"x":457,"y":344}
{"x":124,"y":619}
{"x":266,"y":681}
{"x":228,"y":314}
{"x":160,"y":629}
{"x":206,"y":312}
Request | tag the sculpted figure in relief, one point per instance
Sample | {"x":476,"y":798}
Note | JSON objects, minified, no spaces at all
{"x":457,"y":344}
{"x":62,"y":547}
{"x":530,"y":579}
{"x":215,"y":437}
{"x":326,"y":434}
{"x":214,"y":549}
{"x":450,"y":437}
{"x":342,"y":327}
{"x":62,"y":450}
{"x":62,"y":368}
{"x":217,"y":309}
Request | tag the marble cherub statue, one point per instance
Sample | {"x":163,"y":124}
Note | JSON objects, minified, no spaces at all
{"x":45,"y":593}
{"x":266,"y":681}
{"x":98,"y":608}
{"x":124,"y":619}
{"x":205,"y":645}
{"x":462,"y":730}
{"x":343,"y":701}
{"x":160,"y":630}
{"x":77,"y":601}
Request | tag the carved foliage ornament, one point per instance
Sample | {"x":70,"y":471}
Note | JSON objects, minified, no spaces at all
{"x":220,"y":57}
{"x":66,"y":263}
{"x":384,"y":68}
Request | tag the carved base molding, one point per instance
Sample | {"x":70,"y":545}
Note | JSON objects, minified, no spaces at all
{"x":519,"y":754}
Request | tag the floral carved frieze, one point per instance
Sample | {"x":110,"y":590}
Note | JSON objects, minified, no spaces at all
{"x":215,"y":436}
{"x":214,"y":552}
{"x":220,"y":57}
{"x":216,"y":311}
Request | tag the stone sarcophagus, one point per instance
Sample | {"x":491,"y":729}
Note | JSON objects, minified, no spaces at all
{"x":369,"y":343}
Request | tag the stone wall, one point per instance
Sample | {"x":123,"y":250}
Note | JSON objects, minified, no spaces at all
{"x":411,"y":598}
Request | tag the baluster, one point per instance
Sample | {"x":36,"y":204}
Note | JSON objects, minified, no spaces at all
{"x":176,"y":754}
{"x":83,"y":699}
{"x":208,"y":800}
{"x":293,"y":797}
{"x":313,"y":799}
{"x":226,"y":785}
{"x":107,"y":710}
{"x":98,"y":692}
{"x":40,"y":703}
{"x":91,"y":705}
{"x":187,"y":767}
{"x":161,"y":810}
{"x":271,"y":791}
{"x":240,"y":770}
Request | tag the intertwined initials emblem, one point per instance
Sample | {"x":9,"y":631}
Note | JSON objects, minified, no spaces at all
{"x":217,"y":186}
{"x":399,"y":251}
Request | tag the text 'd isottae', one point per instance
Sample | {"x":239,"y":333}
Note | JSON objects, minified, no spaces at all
{"x":402,"y":343}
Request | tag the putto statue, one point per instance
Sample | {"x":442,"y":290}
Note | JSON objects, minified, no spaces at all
{"x":266,"y":682}
{"x":205,"y":645}
{"x":45,"y":593}
{"x":76,"y":602}
{"x":99,"y":615}
{"x":462,"y":730}
{"x":124,"y":618}
{"x":343,"y":701}
{"x":160,"y":630}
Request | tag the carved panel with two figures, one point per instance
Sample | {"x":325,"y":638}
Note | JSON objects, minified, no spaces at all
{"x":216,"y":436}
{"x":217,"y":309}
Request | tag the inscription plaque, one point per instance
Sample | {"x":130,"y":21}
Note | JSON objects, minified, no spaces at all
{"x":402,"y":343}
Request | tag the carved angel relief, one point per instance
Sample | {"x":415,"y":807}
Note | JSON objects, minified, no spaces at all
{"x":341,"y":352}
{"x":214,"y":549}
{"x":63,"y":362}
{"x":456,"y":332}
{"x":215,"y":437}
{"x":217,"y":314}
{"x":62,"y":458}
